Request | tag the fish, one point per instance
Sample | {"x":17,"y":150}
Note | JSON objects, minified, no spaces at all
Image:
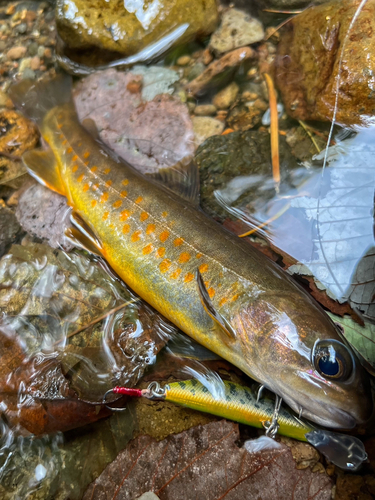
{"x":215,"y":287}
{"x":241,"y":404}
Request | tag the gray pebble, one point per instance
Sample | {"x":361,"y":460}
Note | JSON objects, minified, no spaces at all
{"x":41,"y":50}
{"x":28,"y":73}
{"x":33,"y":49}
{"x":20,"y":29}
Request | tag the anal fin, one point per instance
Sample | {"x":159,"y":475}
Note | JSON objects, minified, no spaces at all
{"x":210,"y":309}
{"x":42,"y":165}
{"x":82,"y":236}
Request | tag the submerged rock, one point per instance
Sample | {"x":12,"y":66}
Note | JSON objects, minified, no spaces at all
{"x":307,"y":73}
{"x":127,"y":26}
{"x":226,"y":97}
{"x":205,"y":126}
{"x":237,"y":29}
{"x":9,"y":228}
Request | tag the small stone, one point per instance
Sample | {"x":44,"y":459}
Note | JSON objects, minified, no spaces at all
{"x":183,"y":60}
{"x":226,"y":97}
{"x":5,"y":101}
{"x":16,"y":53}
{"x":40,"y":51}
{"x":2,"y":46}
{"x":149,"y":495}
{"x":47,"y":53}
{"x":204,"y":127}
{"x":237,"y":29}
{"x":24,"y":63}
{"x":20,"y":29}
{"x":225,"y":63}
{"x":252,"y":73}
{"x":33,"y":49}
{"x":35,"y":63}
{"x":10,"y":10}
{"x":191,"y":107}
{"x":205,"y":110}
{"x":249,"y":96}
{"x":28,"y":74}
{"x":194,"y":71}
{"x":207,"y":57}
{"x":244,"y":117}
{"x":222,"y":115}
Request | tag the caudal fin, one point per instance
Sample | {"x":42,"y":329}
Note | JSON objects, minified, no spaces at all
{"x":35,"y":99}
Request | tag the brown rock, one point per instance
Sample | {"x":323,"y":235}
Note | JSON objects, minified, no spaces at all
{"x":226,"y":97}
{"x":127,"y":26}
{"x":227,"y":62}
{"x":35,"y":63}
{"x":205,"y":110}
{"x":244,"y":117}
{"x":16,"y":53}
{"x":308,"y":63}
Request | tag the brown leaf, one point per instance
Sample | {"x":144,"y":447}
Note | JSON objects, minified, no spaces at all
{"x":205,"y":462}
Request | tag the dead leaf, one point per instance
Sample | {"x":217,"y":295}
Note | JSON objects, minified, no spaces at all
{"x":148,"y":134}
{"x":45,"y":214}
{"x":205,"y":462}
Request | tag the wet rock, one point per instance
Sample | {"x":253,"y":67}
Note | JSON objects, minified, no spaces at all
{"x":45,"y":214}
{"x":226,"y":97}
{"x":304,"y":454}
{"x":18,"y":134}
{"x":237,"y":29}
{"x":307,"y":74}
{"x":149,"y":135}
{"x":9,"y":228}
{"x":205,"y":110}
{"x":204,"y":127}
{"x":226,"y":63}
{"x":155,"y":80}
{"x":16,"y":52}
{"x":126,"y":26}
{"x":237,"y":155}
{"x":183,"y":60}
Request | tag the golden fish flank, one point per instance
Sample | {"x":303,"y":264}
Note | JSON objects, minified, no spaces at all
{"x":212,"y":285}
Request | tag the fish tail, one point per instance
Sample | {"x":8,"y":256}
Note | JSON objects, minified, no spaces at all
{"x":35,"y":99}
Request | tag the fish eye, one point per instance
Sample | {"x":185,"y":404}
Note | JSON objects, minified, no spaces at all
{"x":332,"y":360}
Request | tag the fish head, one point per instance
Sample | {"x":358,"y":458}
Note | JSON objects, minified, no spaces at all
{"x":296,"y":351}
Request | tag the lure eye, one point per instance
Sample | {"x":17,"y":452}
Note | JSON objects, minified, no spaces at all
{"x":333,"y":360}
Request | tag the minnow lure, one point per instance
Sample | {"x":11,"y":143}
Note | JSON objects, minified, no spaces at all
{"x":242,"y":405}
{"x":212,"y":285}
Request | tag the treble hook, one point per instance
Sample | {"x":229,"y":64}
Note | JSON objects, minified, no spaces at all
{"x":273,"y":426}
{"x":111,"y":391}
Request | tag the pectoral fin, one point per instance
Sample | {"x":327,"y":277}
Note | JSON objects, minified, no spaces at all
{"x":209,"y":307}
{"x":42,"y":165}
{"x":82,"y":236}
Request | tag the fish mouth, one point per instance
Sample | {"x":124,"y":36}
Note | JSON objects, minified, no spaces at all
{"x":324,"y":415}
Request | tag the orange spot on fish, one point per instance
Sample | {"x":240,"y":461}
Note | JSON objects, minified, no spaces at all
{"x":178,"y":241}
{"x":150,"y":228}
{"x":104,"y":197}
{"x":223,"y":301}
{"x":61,"y":136}
{"x":139,"y":199}
{"x":79,"y":144}
{"x":203,"y":268}
{"x":125,"y":228}
{"x":106,"y":171}
{"x":143,"y":216}
{"x":176,"y":274}
{"x":125,"y":182}
{"x":165,"y":265}
{"x":69,"y":150}
{"x":86,"y":187}
{"x":86,"y":154}
{"x":164,"y":214}
{"x":148,"y":249}
{"x":94,"y":169}
{"x":160,"y":252}
{"x":117,"y":204}
{"x":124,"y":194}
{"x":93,"y":203}
{"x":234,"y":298}
{"x":105,"y":215}
{"x":136,"y":236}
{"x":164,"y":236}
{"x":188,"y":277}
{"x":211,"y":292}
{"x":74,"y":168}
{"x":184,"y":257}
{"x":125,"y":214}
{"x":81,"y":177}
{"x":64,"y":142}
{"x":111,"y":226}
{"x":59,"y":126}
{"x":199,"y":255}
{"x":75,"y":158}
{"x":108,"y":183}
{"x":95,"y":186}
{"x":87,"y":163}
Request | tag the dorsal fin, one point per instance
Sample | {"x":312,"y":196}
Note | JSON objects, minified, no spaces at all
{"x":210,"y":309}
{"x":82,"y":235}
{"x":182,"y":179}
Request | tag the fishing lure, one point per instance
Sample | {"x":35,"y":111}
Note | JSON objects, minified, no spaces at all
{"x":242,"y":405}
